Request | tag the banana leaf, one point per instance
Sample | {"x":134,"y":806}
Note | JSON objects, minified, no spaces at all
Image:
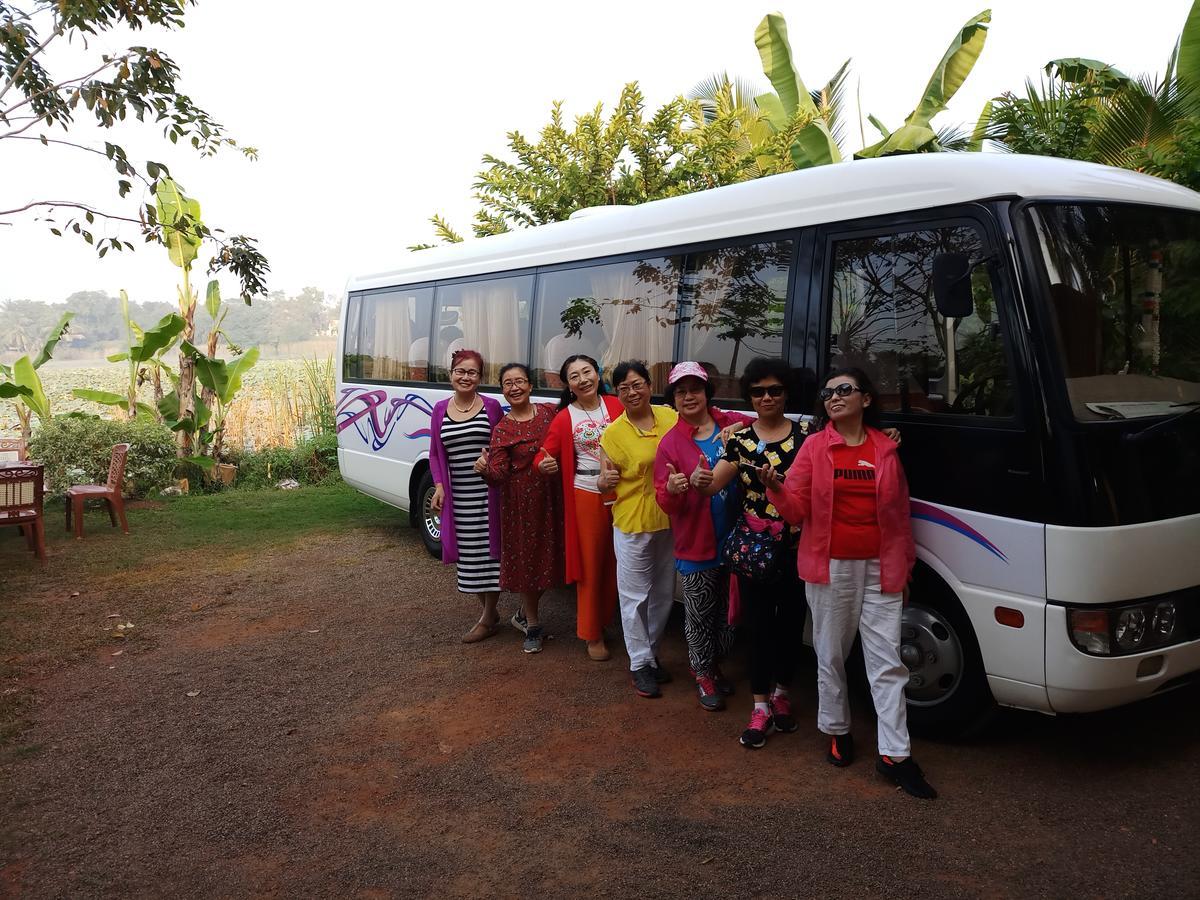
{"x":1077,"y":70}
{"x":10,"y":390}
{"x":56,"y":333}
{"x":25,"y":375}
{"x":176,"y":209}
{"x":1187,"y":65}
{"x":160,"y":337}
{"x":212,"y":299}
{"x":956,"y":64}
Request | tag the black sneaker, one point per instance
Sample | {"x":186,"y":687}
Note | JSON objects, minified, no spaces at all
{"x":761,"y":725}
{"x":661,"y":675}
{"x":710,"y":699}
{"x":644,"y":682}
{"x":724,"y":685}
{"x":533,"y":639}
{"x":908,"y":775}
{"x":841,"y":750}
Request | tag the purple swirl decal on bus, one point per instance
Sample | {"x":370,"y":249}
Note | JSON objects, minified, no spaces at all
{"x":930,"y":513}
{"x":375,"y":417}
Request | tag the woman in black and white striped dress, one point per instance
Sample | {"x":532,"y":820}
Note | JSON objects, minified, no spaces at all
{"x":461,"y":430}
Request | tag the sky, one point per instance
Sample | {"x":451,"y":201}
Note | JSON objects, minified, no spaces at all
{"x":371,"y":116}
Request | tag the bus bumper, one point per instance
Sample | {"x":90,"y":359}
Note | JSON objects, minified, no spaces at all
{"x":1077,"y":682}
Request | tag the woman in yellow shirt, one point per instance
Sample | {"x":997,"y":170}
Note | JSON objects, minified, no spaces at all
{"x":641,"y":532}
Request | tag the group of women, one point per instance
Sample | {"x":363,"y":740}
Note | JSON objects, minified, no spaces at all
{"x":617,"y":495}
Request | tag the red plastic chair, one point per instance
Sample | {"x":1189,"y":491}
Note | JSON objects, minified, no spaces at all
{"x":21,"y":504}
{"x":110,"y":493}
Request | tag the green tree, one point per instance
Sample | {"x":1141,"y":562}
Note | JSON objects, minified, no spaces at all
{"x":1088,"y":109}
{"x":39,"y":105}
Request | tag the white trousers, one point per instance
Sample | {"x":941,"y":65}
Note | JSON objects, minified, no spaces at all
{"x":646,"y":588}
{"x":853,"y":601}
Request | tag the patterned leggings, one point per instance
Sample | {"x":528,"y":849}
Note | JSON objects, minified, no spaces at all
{"x":706,"y":618}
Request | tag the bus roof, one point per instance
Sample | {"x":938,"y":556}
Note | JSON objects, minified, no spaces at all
{"x":832,"y":193}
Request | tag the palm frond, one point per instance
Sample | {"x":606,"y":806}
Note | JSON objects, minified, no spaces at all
{"x":1146,"y":116}
{"x":742,"y":92}
{"x":830,"y":101}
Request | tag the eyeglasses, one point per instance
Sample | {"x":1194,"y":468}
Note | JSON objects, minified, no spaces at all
{"x":632,"y":386}
{"x":768,"y":390}
{"x":514,"y":383}
{"x":465,"y":373}
{"x":845,"y":389}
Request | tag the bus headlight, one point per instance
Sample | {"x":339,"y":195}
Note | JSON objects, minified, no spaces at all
{"x":1136,"y":626}
{"x":1164,"y":619}
{"x":1131,"y":628}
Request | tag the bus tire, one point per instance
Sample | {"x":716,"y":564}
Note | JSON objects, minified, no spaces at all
{"x":424,"y":519}
{"x":947,"y":693}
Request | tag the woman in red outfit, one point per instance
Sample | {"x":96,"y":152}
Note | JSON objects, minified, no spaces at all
{"x":572,"y":451}
{"x":531,"y":550}
{"x":856,"y":552}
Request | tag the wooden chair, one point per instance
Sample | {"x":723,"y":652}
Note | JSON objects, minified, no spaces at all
{"x":15,"y":445}
{"x":110,"y":493}
{"x":21,"y":504}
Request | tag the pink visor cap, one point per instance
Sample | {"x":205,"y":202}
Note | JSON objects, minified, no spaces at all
{"x":684,"y":369}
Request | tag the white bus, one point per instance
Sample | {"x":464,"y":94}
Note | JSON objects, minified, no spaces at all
{"x":1033,"y":326}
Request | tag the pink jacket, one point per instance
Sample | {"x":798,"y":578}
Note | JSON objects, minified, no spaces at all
{"x":807,"y":497}
{"x":689,"y":512}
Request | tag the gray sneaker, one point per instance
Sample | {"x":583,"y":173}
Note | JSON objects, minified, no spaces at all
{"x":519,"y":622}
{"x":644,"y":682}
{"x":533,"y":639}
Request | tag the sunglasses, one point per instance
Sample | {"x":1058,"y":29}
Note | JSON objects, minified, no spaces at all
{"x":845,"y":389}
{"x":766,"y":390}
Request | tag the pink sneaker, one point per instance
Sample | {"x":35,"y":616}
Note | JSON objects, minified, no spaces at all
{"x":755,"y":735}
{"x":781,"y":714}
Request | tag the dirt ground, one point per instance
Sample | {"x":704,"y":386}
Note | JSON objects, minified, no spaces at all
{"x":304,"y":722}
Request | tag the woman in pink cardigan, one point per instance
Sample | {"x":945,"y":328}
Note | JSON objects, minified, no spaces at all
{"x":847,"y":487}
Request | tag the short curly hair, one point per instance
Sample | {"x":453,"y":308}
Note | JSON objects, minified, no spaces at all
{"x":763,"y":367}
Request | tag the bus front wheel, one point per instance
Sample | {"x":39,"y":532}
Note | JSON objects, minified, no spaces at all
{"x":426,"y":521}
{"x":947,"y":691}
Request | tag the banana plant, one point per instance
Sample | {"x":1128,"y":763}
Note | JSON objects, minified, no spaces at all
{"x":791,"y":108}
{"x":146,"y":347}
{"x":222,"y":381}
{"x":21,"y":384}
{"x":917,"y":134}
{"x":179,"y":213}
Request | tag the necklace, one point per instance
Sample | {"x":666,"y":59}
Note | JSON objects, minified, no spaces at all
{"x":588,"y":413}
{"x":470,"y":406}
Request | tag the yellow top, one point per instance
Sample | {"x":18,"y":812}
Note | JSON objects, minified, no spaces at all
{"x":632,"y":451}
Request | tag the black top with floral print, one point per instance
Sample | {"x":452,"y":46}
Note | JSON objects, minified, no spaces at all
{"x":746,"y":451}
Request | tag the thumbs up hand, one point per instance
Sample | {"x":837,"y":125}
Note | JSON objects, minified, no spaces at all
{"x":677,"y":482}
{"x":481,"y":463}
{"x":609,"y":476}
{"x":548,"y":465}
{"x":702,"y":475}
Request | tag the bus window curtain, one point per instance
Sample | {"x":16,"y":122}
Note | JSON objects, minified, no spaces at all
{"x":633,"y":332}
{"x":491,"y":321}
{"x":393,"y":335}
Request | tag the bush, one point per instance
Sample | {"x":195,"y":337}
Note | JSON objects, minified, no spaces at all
{"x":77,"y":449}
{"x":312,"y":461}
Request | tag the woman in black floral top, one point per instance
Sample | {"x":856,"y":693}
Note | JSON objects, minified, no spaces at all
{"x":772,"y":607}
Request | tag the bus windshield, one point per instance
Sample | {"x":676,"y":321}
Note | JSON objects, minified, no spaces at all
{"x":1124,"y":287}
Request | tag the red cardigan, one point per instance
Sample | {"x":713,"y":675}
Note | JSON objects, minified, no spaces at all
{"x":560,"y":443}
{"x":807,"y":497}
{"x":690,"y":512}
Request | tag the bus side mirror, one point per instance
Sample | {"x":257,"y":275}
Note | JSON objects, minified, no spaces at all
{"x":952,"y":285}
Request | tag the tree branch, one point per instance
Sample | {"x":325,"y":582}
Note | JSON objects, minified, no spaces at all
{"x":57,"y":32}
{"x":45,"y":140}
{"x":62,"y":84}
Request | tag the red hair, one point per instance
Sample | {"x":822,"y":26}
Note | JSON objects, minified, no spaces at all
{"x":459,"y":355}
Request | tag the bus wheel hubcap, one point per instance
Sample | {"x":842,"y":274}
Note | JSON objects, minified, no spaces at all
{"x":433,"y":522}
{"x":930,"y":650}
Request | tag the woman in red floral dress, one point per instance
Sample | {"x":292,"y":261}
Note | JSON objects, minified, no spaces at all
{"x":531,"y":515}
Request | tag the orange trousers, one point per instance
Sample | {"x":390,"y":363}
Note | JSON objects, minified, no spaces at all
{"x":596,"y":590}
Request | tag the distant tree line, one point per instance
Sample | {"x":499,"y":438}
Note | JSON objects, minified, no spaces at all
{"x":98,"y":325}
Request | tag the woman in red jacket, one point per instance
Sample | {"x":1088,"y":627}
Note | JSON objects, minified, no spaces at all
{"x":572,"y":450}
{"x":847,"y":487}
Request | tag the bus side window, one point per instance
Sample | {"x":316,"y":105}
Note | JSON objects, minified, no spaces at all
{"x":883,"y":319}
{"x":394,"y":325}
{"x":489,"y":315}
{"x":351,"y":359}
{"x":611,"y":312}
{"x":733,"y":303}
